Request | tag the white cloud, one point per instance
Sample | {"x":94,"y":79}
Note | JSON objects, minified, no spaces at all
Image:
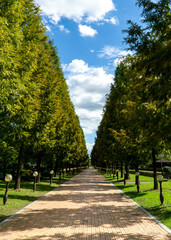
{"x":63,"y":29}
{"x":113,"y":20}
{"x":90,"y":146}
{"x":112,"y":52}
{"x":77,"y":10}
{"x":88,"y":86}
{"x":117,"y":61}
{"x":77,"y":66}
{"x":86,"y":31}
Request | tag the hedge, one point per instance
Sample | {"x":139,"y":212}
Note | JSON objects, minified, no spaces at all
{"x":144,"y":173}
{"x":167,"y":172}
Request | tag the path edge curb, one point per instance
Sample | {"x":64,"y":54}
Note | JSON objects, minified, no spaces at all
{"x":27,"y":206}
{"x":145,"y":211}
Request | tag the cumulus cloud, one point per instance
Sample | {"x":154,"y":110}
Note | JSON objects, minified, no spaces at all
{"x":77,"y":66}
{"x":88,"y":86}
{"x":109,"y":51}
{"x":77,"y":10}
{"x":86,"y":31}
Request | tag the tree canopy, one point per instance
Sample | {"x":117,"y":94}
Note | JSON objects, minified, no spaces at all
{"x":38,"y":123}
{"x":136,"y":122}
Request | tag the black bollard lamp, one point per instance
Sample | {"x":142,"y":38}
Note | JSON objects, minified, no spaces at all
{"x":8,"y":179}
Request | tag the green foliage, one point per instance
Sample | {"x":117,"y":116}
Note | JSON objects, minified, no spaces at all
{"x":136,"y":120}
{"x":38,"y":123}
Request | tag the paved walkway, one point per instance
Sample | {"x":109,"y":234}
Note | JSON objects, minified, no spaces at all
{"x":87,"y":207}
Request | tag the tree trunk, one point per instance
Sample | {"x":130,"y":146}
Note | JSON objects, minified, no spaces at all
{"x":60,"y":174}
{"x":154,"y":169}
{"x":136,"y":178}
{"x":127,"y":171}
{"x":51,"y":164}
{"x":39,"y":160}
{"x":18,"y":179}
{"x":56,"y":168}
{"x":114,"y":172}
{"x":136,"y":167}
{"x":4,"y":167}
{"x":121,"y":170}
{"x":67,"y":171}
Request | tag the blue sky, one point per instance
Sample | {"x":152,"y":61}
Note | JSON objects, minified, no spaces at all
{"x":88,"y":36}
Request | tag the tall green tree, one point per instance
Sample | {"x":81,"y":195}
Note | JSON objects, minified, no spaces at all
{"x":152,"y":45}
{"x":35,"y":108}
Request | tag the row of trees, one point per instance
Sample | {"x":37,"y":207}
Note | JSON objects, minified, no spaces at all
{"x":136,"y":123}
{"x":38,"y":124}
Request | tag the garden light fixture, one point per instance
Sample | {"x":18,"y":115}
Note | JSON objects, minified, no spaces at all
{"x":8,"y":179}
{"x":35,"y":174}
{"x":160,"y":179}
{"x":137,"y":174}
{"x":51,"y":173}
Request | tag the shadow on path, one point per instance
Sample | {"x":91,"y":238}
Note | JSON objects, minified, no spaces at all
{"x":86,"y":207}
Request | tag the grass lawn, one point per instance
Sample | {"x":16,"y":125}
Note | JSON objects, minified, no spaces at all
{"x":19,"y":199}
{"x":147,"y":197}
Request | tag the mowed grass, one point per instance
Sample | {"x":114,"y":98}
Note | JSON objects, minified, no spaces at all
{"x":147,"y":197}
{"x":19,"y":199}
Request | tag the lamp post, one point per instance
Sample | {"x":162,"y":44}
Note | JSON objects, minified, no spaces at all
{"x":51,"y":173}
{"x":8,"y":179}
{"x":160,"y":179}
{"x":117,"y":174}
{"x":35,"y":174}
{"x":137,"y":174}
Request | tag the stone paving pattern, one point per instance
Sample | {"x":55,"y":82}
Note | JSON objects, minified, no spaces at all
{"x":87,"y":207}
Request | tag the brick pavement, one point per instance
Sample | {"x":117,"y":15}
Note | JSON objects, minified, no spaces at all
{"x":87,"y":207}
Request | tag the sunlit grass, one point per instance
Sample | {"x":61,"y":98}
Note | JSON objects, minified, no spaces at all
{"x":132,"y":178}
